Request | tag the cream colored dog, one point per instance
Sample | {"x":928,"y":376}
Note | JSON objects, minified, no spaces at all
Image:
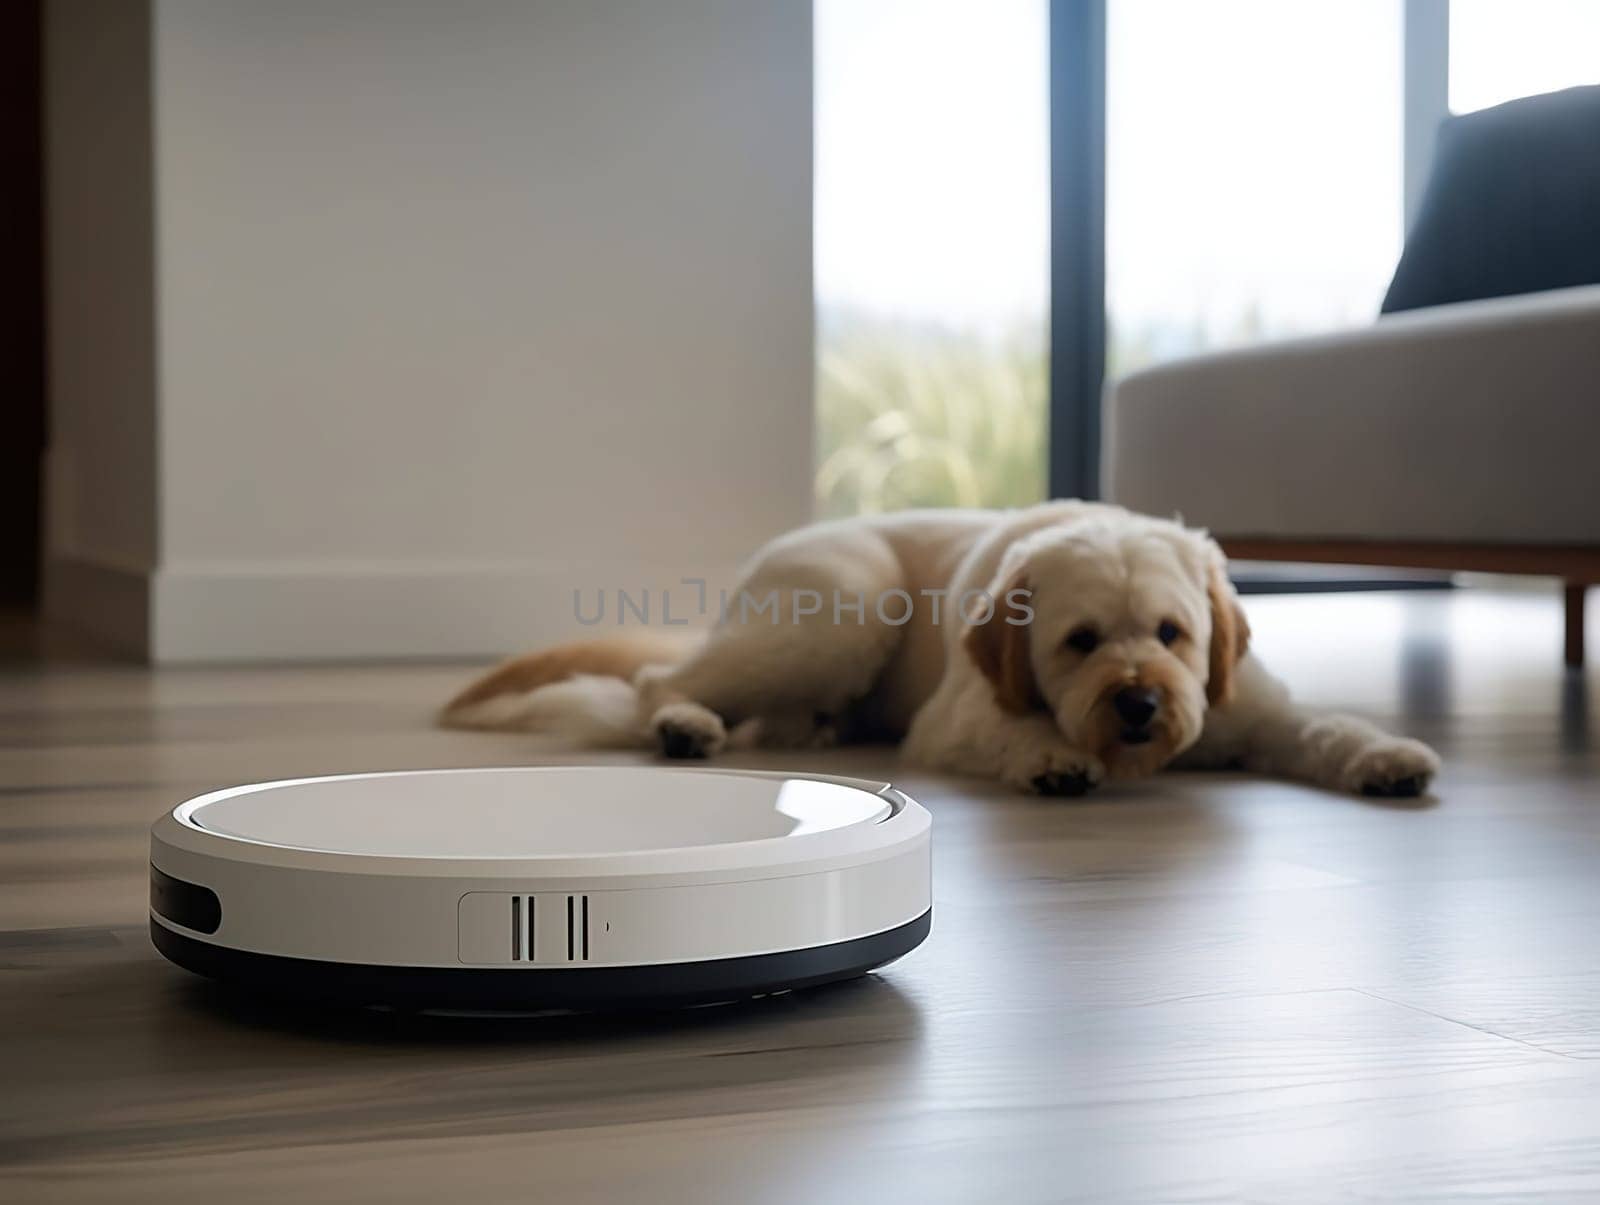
{"x":1048,"y":648}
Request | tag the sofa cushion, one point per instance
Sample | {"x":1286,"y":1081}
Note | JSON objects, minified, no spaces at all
{"x":1476,"y":423}
{"x":1511,"y":204}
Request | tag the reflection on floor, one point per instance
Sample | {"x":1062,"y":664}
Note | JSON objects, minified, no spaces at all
{"x":1198,"y":987}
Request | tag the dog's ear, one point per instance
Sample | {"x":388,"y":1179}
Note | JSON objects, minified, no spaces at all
{"x":1003,"y":653}
{"x":1230,"y":633}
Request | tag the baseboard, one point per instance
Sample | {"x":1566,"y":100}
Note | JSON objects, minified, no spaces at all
{"x":342,"y":613}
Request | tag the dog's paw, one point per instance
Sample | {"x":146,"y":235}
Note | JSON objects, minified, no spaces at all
{"x":1057,"y":772}
{"x":1392,"y":769}
{"x":688,"y":730}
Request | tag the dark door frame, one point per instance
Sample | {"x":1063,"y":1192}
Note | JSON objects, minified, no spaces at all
{"x":22,"y":354}
{"x":1077,"y":244}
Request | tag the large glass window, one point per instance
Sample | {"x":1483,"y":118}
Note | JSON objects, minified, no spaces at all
{"x":1253,"y":170}
{"x":1503,"y":49}
{"x":932,"y":253}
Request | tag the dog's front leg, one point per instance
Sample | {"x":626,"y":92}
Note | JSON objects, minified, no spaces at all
{"x":1262,"y":731}
{"x":1342,"y":752}
{"x":1034,"y":757}
{"x":1027,"y":752}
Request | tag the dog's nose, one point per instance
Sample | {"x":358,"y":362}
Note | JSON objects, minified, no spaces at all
{"x":1136,"y":705}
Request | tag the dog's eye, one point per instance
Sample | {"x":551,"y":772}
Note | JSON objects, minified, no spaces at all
{"x":1168,"y":631}
{"x":1083,"y":640}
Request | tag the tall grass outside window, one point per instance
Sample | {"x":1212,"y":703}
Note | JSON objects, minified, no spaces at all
{"x":932,"y":251}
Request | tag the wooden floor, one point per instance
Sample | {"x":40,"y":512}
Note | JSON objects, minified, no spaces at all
{"x":1199,"y":988}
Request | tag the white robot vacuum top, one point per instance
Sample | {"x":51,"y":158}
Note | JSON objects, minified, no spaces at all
{"x":540,"y":888}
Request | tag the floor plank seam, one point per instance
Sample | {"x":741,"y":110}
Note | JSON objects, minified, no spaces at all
{"x":1428,"y":1012}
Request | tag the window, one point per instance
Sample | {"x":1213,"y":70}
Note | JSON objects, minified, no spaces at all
{"x":1501,"y":50}
{"x":1253,"y":170}
{"x":932,"y":249}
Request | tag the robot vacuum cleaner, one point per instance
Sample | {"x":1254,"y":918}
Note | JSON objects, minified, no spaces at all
{"x":540,"y":888}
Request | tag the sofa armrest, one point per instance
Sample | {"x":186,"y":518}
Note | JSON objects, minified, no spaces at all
{"x":1471,"y":422}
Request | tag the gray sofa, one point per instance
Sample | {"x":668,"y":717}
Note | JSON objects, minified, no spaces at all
{"x":1464,"y":434}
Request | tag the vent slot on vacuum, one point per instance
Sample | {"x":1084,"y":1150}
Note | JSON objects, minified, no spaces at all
{"x":523,"y":940}
{"x":577,"y":928}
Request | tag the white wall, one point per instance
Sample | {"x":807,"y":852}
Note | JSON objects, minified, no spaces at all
{"x":462,"y":307}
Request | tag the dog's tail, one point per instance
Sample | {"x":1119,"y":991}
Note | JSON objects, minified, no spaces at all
{"x":583,"y":691}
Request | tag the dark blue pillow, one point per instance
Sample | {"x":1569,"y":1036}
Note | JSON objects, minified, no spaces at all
{"x":1512,"y":205}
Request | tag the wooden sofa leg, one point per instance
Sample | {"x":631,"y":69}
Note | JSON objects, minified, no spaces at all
{"x":1573,"y":651}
